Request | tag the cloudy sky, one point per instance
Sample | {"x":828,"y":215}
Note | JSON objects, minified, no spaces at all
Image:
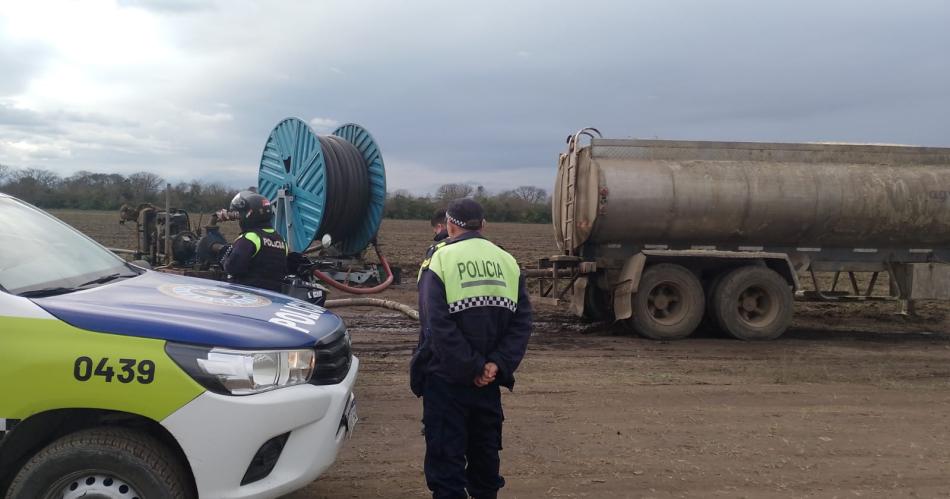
{"x":456,"y":91}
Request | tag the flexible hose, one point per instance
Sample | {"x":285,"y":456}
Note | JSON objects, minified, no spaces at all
{"x":347,"y":186}
{"x":347,"y":199}
{"x":360,"y":291}
{"x":374,"y":302}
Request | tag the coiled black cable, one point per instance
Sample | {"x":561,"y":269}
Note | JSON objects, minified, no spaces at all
{"x":347,"y":196}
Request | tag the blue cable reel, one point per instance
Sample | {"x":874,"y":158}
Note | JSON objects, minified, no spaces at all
{"x":308,"y":177}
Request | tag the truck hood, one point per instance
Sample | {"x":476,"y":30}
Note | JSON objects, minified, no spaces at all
{"x":195,"y":311}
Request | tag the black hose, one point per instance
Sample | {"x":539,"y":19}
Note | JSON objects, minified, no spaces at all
{"x":347,"y":184}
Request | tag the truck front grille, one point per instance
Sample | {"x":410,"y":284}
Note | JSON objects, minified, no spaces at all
{"x":333,"y":361}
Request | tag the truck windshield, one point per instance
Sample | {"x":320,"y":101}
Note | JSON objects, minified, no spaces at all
{"x":41,"y":256}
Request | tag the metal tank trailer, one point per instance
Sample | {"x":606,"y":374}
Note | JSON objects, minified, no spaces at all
{"x":659,"y":234}
{"x":328,"y":192}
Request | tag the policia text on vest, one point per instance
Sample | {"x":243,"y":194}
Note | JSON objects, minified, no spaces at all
{"x":483,"y":269}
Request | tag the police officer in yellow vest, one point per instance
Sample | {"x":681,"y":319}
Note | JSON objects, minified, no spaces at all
{"x":475,"y":323}
{"x":258,"y":257}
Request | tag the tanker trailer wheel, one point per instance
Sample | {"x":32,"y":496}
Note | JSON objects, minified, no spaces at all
{"x":104,"y":463}
{"x":753,"y":303}
{"x":668,"y":304}
{"x":710,"y":319}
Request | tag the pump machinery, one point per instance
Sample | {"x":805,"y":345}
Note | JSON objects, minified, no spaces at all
{"x":328,"y":193}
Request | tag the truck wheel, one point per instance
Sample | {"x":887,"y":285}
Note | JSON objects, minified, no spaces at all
{"x":753,"y":303}
{"x":710,"y":318}
{"x":669,"y":303}
{"x":102,"y":462}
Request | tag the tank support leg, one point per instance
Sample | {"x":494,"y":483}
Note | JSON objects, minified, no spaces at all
{"x":908,"y":308}
{"x":871,"y":284}
{"x":854,"y":284}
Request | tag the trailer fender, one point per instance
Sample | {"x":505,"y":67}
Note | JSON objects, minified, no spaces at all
{"x":627,"y":284}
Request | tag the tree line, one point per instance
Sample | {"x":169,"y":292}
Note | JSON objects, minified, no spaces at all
{"x":527,"y":204}
{"x":86,"y":190}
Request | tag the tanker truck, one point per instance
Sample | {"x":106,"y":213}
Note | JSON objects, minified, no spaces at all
{"x":660,"y":235}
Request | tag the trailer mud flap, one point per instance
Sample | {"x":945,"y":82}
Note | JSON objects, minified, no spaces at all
{"x":627,"y":285}
{"x":577,"y":298}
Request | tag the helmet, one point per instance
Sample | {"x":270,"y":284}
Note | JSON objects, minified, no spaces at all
{"x":255,"y":210}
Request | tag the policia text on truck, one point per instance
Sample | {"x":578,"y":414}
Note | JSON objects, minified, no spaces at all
{"x":124,"y":382}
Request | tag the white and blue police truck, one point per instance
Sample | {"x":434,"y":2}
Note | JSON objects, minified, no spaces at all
{"x":121,"y":382}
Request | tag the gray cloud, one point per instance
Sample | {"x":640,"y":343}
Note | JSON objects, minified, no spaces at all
{"x":169,"y":6}
{"x":18,"y":62}
{"x":487,"y":92}
{"x":11,"y":116}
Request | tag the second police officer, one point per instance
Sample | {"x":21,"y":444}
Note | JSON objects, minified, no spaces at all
{"x":258,"y":257}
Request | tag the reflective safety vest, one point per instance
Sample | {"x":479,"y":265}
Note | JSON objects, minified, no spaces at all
{"x":476,"y":273}
{"x":270,"y":239}
{"x":269,"y":263}
{"x":425,"y":263}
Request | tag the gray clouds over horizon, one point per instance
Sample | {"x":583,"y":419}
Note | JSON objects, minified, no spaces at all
{"x":457,"y":91}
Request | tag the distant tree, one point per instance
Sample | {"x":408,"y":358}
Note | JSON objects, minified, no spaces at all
{"x":38,"y":176}
{"x":216,"y":196}
{"x":5,"y":172}
{"x":34,"y":185}
{"x":530,"y":194}
{"x":398,"y":204}
{"x":198,"y":196}
{"x":95,"y":191}
{"x":403,"y":205}
{"x":448,"y":192}
{"x":145,"y":186}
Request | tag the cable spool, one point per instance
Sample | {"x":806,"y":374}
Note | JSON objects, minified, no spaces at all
{"x":332,"y":184}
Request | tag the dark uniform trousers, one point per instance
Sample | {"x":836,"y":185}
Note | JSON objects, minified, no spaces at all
{"x":463,"y":437}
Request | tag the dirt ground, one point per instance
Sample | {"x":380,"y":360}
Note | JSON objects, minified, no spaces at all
{"x":853,"y":401}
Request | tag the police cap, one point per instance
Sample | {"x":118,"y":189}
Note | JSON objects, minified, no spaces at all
{"x":466,"y":213}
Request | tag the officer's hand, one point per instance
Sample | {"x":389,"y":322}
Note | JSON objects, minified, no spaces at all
{"x":488,"y":375}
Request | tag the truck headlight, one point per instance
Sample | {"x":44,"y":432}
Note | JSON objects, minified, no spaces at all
{"x":243,"y":372}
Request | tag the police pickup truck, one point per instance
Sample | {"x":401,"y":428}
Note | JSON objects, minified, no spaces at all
{"x":121,"y":382}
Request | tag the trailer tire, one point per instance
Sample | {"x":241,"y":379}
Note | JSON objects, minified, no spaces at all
{"x":753,"y":303}
{"x":668,"y":304}
{"x":710,"y":318}
{"x":103,"y":461}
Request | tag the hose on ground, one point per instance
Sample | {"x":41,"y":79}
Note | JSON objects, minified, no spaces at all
{"x":360,"y":291}
{"x":374,"y":302}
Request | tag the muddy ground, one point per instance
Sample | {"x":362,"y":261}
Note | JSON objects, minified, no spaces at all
{"x":853,"y":401}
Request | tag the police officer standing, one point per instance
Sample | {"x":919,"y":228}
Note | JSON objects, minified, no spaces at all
{"x":258,"y":257}
{"x":439,"y":230}
{"x":476,"y":321}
